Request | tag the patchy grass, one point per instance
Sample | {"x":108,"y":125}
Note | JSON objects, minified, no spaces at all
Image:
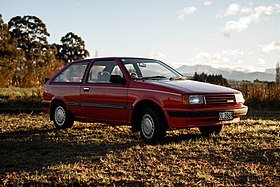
{"x":20,"y":99}
{"x":33,"y":153}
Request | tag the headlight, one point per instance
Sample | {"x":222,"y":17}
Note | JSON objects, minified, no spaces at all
{"x":239,"y":98}
{"x":193,"y":99}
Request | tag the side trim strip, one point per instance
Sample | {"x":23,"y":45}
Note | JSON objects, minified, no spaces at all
{"x":97,"y":105}
{"x":73,"y":103}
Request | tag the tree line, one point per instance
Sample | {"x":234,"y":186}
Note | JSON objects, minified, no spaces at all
{"x":213,"y":79}
{"x":26,"y":56}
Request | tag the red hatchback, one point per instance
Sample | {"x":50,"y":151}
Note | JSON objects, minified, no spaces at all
{"x":144,"y":93}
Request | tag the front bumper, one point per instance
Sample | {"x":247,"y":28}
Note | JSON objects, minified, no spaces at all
{"x":196,"y":118}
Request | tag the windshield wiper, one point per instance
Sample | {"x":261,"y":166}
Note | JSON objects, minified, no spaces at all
{"x":177,"y":78}
{"x":155,"y":77}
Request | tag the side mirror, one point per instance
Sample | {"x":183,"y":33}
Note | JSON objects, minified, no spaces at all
{"x":117,"y":79}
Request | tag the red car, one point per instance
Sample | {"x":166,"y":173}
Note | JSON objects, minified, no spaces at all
{"x":144,"y":93}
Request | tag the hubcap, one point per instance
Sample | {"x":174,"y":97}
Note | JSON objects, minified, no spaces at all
{"x":59,"y":115}
{"x":148,"y":126}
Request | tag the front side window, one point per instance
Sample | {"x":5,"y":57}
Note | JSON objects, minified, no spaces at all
{"x":104,"y":71}
{"x":73,"y":74}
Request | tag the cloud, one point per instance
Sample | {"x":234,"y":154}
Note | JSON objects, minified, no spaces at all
{"x":240,"y":25}
{"x":157,"y":55}
{"x":221,"y":60}
{"x":261,"y":61}
{"x":233,"y":52}
{"x":222,"y":57}
{"x":251,"y":15}
{"x":264,"y":10}
{"x":277,"y":7}
{"x":207,"y":3}
{"x":186,"y":11}
{"x":189,"y":10}
{"x":206,"y":58}
{"x":270,"y":47}
{"x":233,"y":9}
{"x":247,"y":68}
{"x":236,"y":9}
{"x":240,"y":62}
{"x":229,"y":58}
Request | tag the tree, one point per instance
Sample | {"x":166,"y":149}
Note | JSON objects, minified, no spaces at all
{"x":72,"y":48}
{"x":213,"y":79}
{"x":277,"y":77}
{"x":9,"y":55}
{"x":31,"y":35}
{"x":200,"y":77}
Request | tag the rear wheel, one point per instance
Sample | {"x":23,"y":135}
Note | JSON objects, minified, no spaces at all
{"x":62,"y":117}
{"x":210,"y":130}
{"x":152,"y":125}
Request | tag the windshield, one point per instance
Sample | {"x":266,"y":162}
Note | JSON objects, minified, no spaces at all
{"x":150,"y":69}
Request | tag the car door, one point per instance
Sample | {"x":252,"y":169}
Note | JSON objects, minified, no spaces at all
{"x":67,"y":85}
{"x":104,"y":94}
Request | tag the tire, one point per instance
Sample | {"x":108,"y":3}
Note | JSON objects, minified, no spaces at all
{"x":152,"y":125}
{"x":62,"y":117}
{"x":210,"y":130}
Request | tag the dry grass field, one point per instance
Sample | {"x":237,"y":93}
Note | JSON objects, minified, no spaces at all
{"x":33,"y":153}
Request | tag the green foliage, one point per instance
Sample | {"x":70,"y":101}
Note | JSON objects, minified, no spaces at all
{"x":213,"y":79}
{"x":26,"y":57}
{"x":9,"y":55}
{"x":72,"y":48}
{"x":31,"y":35}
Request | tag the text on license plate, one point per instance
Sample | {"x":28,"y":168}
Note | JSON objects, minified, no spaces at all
{"x":226,"y":115}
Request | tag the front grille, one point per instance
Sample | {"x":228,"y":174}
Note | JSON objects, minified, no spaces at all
{"x":220,"y":99}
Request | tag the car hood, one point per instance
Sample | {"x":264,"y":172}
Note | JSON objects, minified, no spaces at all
{"x":189,"y":86}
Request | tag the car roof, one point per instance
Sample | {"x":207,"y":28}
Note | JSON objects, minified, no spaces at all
{"x":106,"y":58}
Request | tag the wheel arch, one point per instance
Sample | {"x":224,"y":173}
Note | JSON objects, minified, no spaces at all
{"x":135,"y":116}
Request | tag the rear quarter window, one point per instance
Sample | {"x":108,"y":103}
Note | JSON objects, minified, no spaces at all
{"x":73,"y":74}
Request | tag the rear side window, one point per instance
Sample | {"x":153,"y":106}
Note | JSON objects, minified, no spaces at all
{"x":73,"y":74}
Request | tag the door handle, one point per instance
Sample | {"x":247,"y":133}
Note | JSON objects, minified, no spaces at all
{"x":86,"y":89}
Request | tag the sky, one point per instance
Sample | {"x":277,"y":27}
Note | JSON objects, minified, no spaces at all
{"x":242,"y":34}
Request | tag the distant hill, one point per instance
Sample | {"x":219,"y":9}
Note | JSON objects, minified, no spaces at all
{"x":268,"y":75}
{"x":270,"y":71}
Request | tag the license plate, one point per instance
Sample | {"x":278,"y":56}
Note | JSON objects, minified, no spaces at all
{"x":223,"y":116}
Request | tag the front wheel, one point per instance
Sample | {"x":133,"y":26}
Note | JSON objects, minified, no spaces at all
{"x":210,"y":130}
{"x":152,"y":125}
{"x":62,"y":117}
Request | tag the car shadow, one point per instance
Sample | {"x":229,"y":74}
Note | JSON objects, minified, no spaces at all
{"x":33,"y":150}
